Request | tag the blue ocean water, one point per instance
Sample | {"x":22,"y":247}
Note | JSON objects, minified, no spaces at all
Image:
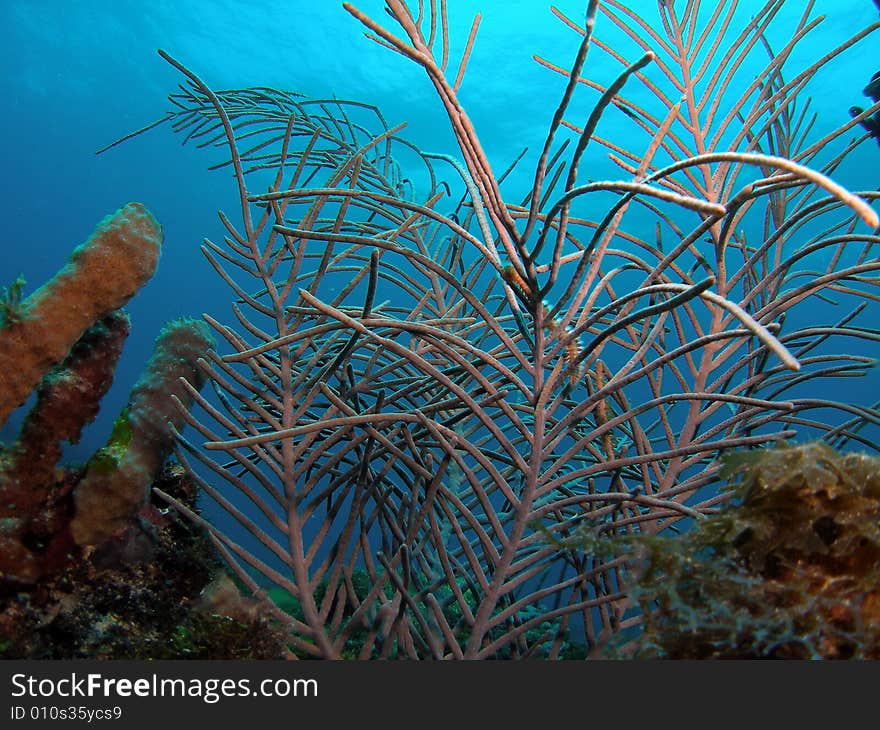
{"x":77,"y":75}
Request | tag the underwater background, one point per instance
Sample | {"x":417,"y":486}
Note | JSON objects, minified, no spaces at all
{"x":78,"y":75}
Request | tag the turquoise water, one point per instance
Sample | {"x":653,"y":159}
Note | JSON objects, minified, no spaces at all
{"x":77,"y":75}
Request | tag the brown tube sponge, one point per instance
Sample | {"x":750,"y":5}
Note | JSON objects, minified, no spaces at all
{"x":119,"y":476}
{"x":34,"y":504}
{"x":101,"y":275}
{"x":67,"y":400}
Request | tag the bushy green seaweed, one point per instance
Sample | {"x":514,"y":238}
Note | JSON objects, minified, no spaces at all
{"x":11,"y":297}
{"x":106,"y":459}
{"x":790,"y":568}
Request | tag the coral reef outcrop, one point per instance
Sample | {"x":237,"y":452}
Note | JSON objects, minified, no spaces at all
{"x":790,"y":570}
{"x":165,"y":597}
{"x":89,"y":566}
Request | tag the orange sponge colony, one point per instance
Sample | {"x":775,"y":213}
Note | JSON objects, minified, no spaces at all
{"x":101,"y":275}
{"x":118,"y":478}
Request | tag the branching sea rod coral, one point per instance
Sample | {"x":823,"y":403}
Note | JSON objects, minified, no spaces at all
{"x":420,"y":390}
